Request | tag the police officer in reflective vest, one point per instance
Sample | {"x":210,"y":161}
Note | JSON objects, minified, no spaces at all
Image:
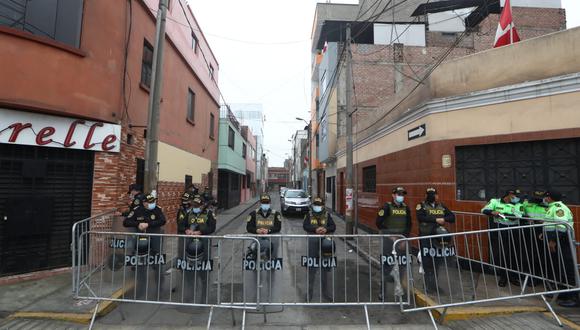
{"x":505,"y":213}
{"x":431,"y":214}
{"x":535,"y":212}
{"x":318,"y":222}
{"x":395,"y":219}
{"x":558,"y":237}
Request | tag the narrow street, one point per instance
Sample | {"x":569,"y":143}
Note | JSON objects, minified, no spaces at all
{"x":143,"y":316}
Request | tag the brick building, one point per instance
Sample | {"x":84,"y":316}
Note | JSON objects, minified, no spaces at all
{"x":390,"y":55}
{"x":85,"y":96}
{"x":278,"y":177}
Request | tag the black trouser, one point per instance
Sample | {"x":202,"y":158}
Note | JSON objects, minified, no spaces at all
{"x":430,"y":263}
{"x":532,"y":253}
{"x":506,"y":251}
{"x":561,"y":264}
{"x":147,"y":272}
{"x":388,"y":243}
{"x":314,"y":251}
{"x":194,"y":283}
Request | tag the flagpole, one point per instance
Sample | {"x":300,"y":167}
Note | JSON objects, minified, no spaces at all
{"x":511,"y":23}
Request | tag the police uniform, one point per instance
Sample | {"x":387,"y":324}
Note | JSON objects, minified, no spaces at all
{"x":559,"y":233}
{"x":312,"y":221}
{"x":505,"y":245}
{"x":155,"y":218}
{"x":137,"y":199}
{"x":535,"y":209}
{"x":207,"y":197}
{"x":428,"y":212}
{"x":393,"y":218}
{"x":259,"y":219}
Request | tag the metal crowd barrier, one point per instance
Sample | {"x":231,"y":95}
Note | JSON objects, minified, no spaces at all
{"x":467,"y":267}
{"x":247,"y":272}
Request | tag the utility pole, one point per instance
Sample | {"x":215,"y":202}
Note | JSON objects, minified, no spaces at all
{"x":349,"y":194}
{"x":310,"y":158}
{"x":155,"y":101}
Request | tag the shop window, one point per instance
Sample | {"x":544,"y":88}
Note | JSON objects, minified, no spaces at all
{"x":147,"y":64}
{"x":487,"y":171}
{"x":190,"y":106}
{"x":231,"y":138}
{"x":55,"y":19}
{"x":370,"y":179}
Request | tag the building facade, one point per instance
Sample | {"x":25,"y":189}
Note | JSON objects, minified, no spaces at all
{"x":390,"y":56}
{"x":249,"y":180}
{"x":231,"y":160}
{"x":278,"y":177}
{"x":74,"y":107}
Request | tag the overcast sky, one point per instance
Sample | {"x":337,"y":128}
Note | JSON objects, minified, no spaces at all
{"x":263,"y":50}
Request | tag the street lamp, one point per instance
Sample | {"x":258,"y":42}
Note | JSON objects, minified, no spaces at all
{"x":309,"y":154}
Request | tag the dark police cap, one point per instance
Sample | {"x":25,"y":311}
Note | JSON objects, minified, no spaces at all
{"x":150,"y":198}
{"x":514,"y":191}
{"x":134,"y":186}
{"x":431,"y":190}
{"x":186,"y":197}
{"x":555,"y":195}
{"x":197,"y":200}
{"x":265,"y":199}
{"x":399,"y":191}
{"x":318,"y":201}
{"x":538,"y":194}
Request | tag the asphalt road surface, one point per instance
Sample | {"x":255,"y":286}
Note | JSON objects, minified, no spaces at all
{"x":348,"y":281}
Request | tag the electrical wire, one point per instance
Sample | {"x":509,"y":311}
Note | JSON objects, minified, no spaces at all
{"x":126,"y":75}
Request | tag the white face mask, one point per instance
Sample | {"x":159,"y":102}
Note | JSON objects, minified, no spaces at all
{"x":151,"y":206}
{"x":196,"y":210}
{"x":265,"y":207}
{"x":317,"y":208}
{"x":399,"y":199}
{"x":515,"y":200}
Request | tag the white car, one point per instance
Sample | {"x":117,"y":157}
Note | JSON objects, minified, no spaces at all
{"x":295,"y":201}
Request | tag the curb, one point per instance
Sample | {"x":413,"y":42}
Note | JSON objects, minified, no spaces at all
{"x":564,"y":320}
{"x":105,"y":307}
{"x":225,"y":224}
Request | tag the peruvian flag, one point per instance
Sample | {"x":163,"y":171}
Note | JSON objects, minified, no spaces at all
{"x":325,"y":47}
{"x":305,"y":161}
{"x":506,"y":30}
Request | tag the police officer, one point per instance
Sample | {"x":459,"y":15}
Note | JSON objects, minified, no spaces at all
{"x":535,"y":210}
{"x":135,"y":195}
{"x":318,"y":222}
{"x":505,"y":213}
{"x":431,"y":215}
{"x":558,"y":244}
{"x":207,"y":196}
{"x":394,"y":219}
{"x":264,"y":220}
{"x":148,"y":218}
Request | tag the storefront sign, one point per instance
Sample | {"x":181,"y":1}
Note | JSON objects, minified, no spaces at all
{"x":34,"y":129}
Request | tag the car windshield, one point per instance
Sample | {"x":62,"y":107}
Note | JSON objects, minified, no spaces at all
{"x":295,"y":194}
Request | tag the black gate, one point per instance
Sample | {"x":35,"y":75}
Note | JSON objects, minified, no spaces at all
{"x":228,"y":189}
{"x":486,"y":171}
{"x":43,"y":191}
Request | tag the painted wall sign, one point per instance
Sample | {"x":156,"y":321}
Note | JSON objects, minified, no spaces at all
{"x":35,"y":129}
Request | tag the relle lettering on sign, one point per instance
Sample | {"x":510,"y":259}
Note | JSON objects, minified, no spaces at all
{"x":35,"y":129}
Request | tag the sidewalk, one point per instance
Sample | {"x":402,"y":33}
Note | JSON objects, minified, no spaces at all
{"x":497,"y":315}
{"x":51,"y":297}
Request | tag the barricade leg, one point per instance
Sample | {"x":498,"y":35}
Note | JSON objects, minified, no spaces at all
{"x":433,"y":320}
{"x":367,"y":317}
{"x":552,"y":311}
{"x":94,"y":316}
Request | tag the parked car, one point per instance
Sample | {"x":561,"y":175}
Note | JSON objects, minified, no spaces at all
{"x":283,"y":190}
{"x":295,"y":201}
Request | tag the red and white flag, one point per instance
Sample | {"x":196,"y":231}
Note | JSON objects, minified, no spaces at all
{"x":506,"y":30}
{"x":305,"y":161}
{"x":325,"y":47}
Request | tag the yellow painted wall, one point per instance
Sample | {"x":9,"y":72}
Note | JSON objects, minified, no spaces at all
{"x":175,"y":163}
{"x":532,"y":115}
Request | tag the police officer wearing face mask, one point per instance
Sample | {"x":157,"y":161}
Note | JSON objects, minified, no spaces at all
{"x":395,"y":219}
{"x":505,"y":213}
{"x":318,"y":222}
{"x":148,"y":218}
{"x":264,"y":220}
{"x":431,"y":214}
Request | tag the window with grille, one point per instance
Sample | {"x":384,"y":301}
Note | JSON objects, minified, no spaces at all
{"x":147,"y":64}
{"x":191,"y":105}
{"x":370,"y":179}
{"x":231,"y":138}
{"x":487,"y":171}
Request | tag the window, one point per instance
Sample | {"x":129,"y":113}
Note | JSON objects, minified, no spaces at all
{"x":249,"y":178}
{"x":188,"y":181}
{"x":211,"y":125}
{"x":487,"y":171}
{"x":211,"y":71}
{"x":244,"y":149}
{"x":147,"y":64}
{"x":190,"y":106}
{"x":140,"y":173}
{"x":57,"y":19}
{"x":194,"y":42}
{"x":329,"y":185}
{"x":370,"y":179}
{"x":231,"y":138}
